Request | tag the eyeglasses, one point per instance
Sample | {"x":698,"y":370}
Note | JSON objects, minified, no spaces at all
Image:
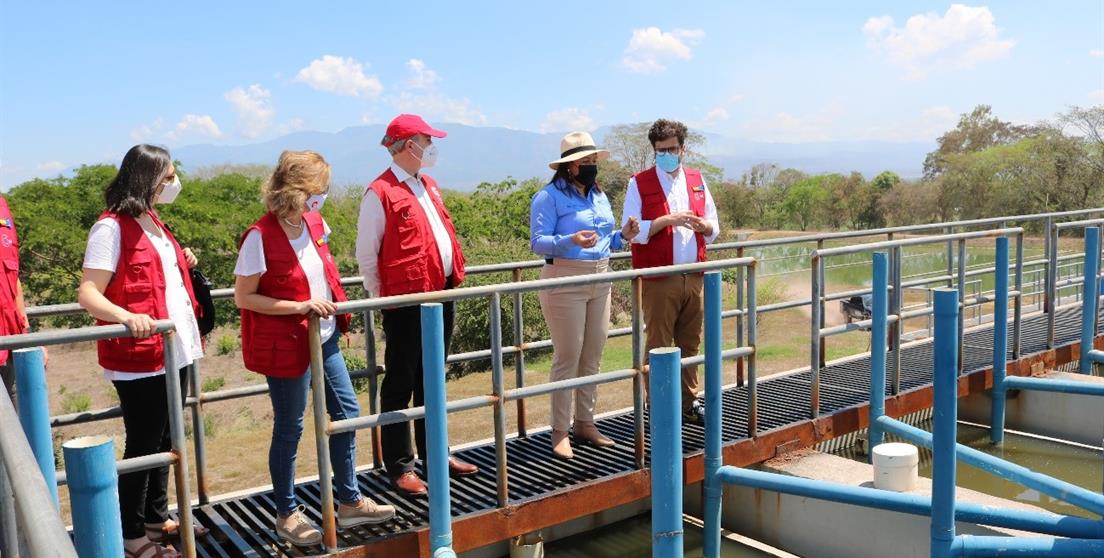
{"x":669,"y":150}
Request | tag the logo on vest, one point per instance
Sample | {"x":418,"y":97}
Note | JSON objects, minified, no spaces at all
{"x":6,"y":223}
{"x":323,"y":240}
{"x":6,"y":241}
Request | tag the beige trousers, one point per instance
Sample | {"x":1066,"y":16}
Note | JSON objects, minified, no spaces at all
{"x":673,"y":314}
{"x":578,"y":319}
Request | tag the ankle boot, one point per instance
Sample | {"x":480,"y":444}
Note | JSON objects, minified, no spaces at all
{"x":587,"y":432}
{"x":561,"y":445}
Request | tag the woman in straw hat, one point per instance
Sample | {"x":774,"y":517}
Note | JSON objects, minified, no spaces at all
{"x":571,"y":224}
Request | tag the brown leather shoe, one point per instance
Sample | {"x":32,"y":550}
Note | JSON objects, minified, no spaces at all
{"x":409,"y":483}
{"x":460,"y":468}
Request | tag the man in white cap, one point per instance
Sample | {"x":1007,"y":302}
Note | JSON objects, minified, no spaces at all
{"x":406,"y":243}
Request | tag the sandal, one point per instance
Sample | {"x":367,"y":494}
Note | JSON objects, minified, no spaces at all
{"x":158,"y":551}
{"x":163,"y":535}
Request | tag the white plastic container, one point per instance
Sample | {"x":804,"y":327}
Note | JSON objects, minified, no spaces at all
{"x":896,"y":467}
{"x":527,"y":546}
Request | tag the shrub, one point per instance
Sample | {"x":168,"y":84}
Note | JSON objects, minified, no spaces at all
{"x":472,"y":330}
{"x":213,"y":384}
{"x":355,"y":362}
{"x":73,"y":402}
{"x":227,"y":344}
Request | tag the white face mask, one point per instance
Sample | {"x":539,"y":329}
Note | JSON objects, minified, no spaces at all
{"x":429,"y":155}
{"x":170,"y":191}
{"x":315,"y":202}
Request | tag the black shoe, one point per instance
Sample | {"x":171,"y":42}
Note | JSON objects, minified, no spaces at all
{"x":696,"y":413}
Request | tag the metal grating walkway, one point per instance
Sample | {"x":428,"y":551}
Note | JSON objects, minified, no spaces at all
{"x":243,"y":526}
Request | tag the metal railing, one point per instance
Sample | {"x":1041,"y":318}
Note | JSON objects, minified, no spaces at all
{"x":1086,"y":535}
{"x":177,"y":457}
{"x":818,"y":331}
{"x":499,"y":394}
{"x":27,"y":508}
{"x":1050,"y":264}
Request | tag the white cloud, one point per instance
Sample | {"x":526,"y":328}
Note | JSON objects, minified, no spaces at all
{"x":435,"y":106}
{"x":195,"y":125}
{"x":146,"y":131}
{"x":1097,"y":94}
{"x":569,"y":119}
{"x":960,"y":38}
{"x":253,"y":107}
{"x":340,"y":76}
{"x":1096,"y":52}
{"x":927,"y":126}
{"x":50,"y":166}
{"x":421,"y":77}
{"x":651,"y":50}
{"x":718,"y":114}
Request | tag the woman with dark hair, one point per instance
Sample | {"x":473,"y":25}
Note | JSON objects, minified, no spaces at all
{"x":285,"y":274}
{"x":571,"y":224}
{"x":135,"y":273}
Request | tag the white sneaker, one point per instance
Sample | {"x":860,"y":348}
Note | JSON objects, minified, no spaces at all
{"x":365,"y":511}
{"x":297,"y":529}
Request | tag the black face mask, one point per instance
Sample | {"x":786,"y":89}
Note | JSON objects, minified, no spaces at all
{"x":587,"y":174}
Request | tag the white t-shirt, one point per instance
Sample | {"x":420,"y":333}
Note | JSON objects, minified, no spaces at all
{"x":251,"y":261}
{"x":102,"y":252}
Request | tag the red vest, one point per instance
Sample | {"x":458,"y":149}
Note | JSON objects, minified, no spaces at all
{"x":277,"y":346}
{"x":11,"y":321}
{"x":138,"y":286}
{"x":660,"y":249}
{"x":408,"y":258}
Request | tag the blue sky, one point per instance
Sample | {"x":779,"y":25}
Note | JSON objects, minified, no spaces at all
{"x":82,"y":81}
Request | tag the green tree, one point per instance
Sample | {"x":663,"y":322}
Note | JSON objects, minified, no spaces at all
{"x":803,"y":201}
{"x":975,"y":131}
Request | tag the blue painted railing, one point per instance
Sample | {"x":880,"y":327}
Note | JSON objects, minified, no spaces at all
{"x":1086,"y":535}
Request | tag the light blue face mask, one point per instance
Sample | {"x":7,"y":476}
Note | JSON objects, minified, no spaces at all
{"x":669,"y":162}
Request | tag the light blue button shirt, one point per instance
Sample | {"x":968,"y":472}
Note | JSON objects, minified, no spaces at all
{"x":558,"y":211}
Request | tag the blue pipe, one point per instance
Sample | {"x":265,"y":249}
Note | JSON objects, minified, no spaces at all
{"x":711,"y":508}
{"x":1089,"y":297}
{"x":1062,"y":490}
{"x":1000,"y":342}
{"x":666,"y":435}
{"x":914,"y":504}
{"x":433,"y":376}
{"x":995,"y":547}
{"x":879,"y":313}
{"x":1056,"y":386}
{"x":94,"y":496}
{"x":34,"y":411}
{"x":945,"y":378}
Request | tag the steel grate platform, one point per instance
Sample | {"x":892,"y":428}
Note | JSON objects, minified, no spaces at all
{"x":243,"y":526}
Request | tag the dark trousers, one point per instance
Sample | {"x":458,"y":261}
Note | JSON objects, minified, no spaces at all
{"x":403,"y":359}
{"x":143,"y":495}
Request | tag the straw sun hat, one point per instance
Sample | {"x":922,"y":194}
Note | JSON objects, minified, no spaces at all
{"x":575,"y":146}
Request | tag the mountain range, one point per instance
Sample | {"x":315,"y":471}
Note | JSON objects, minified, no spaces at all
{"x":471,"y":155}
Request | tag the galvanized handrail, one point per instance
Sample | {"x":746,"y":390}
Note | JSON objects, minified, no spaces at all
{"x":37,"y":520}
{"x":499,"y":396}
{"x":178,"y":457}
{"x":818,"y":331}
{"x":519,"y":347}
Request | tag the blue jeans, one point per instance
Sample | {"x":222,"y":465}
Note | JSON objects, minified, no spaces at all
{"x":289,"y":401}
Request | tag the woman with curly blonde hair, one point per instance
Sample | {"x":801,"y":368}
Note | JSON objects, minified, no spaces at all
{"x":285,"y":274}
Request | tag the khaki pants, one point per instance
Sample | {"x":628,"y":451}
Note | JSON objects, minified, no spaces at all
{"x":578,"y":320}
{"x":673,"y":314}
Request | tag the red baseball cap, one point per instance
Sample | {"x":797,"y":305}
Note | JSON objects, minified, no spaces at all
{"x":408,"y":125}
